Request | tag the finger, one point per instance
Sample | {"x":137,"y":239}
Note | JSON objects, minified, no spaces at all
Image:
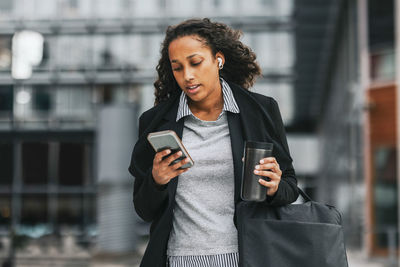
{"x":160,"y":155}
{"x":268,"y":166}
{"x":266,"y":183}
{"x":173,"y":157}
{"x":269,"y":174}
{"x":268,"y":160}
{"x":180,"y":164}
{"x":178,"y":172}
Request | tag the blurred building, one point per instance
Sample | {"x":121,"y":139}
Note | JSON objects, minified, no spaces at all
{"x":66,"y":132}
{"x":346,"y":59}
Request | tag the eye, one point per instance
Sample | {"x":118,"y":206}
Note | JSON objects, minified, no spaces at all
{"x":196,"y":63}
{"x":176,"y":67}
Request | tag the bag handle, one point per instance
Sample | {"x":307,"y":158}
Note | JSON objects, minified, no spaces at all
{"x":301,"y":192}
{"x":304,"y":195}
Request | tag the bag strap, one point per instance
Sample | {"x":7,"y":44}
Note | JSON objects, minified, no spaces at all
{"x":304,"y":195}
{"x":301,"y":192}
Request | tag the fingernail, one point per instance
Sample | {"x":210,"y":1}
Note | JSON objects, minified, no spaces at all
{"x":257,"y":166}
{"x":256,"y":172}
{"x":168,"y":151}
{"x":259,"y":180}
{"x":180,"y":153}
{"x":262,"y":161}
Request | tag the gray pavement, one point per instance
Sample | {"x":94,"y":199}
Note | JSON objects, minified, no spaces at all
{"x":356,"y":258}
{"x":359,"y":259}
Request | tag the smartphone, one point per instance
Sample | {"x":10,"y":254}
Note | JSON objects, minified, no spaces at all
{"x":170,"y":140}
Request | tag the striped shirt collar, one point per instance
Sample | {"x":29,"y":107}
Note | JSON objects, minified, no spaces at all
{"x":229,"y":102}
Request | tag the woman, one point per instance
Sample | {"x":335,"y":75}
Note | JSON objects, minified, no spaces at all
{"x":202,"y":94}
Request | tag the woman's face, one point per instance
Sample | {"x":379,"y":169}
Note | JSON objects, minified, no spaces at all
{"x":195,"y":68}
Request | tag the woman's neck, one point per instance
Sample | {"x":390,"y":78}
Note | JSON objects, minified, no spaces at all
{"x":208,"y":110}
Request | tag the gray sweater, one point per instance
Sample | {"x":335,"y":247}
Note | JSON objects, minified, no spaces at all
{"x":203,"y":214}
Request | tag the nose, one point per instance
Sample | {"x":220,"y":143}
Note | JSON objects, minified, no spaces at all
{"x":188,"y":74}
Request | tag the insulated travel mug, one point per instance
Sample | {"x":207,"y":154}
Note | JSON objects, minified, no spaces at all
{"x":252,"y":190}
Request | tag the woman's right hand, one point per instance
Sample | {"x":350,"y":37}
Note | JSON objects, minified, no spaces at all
{"x":162,"y":171}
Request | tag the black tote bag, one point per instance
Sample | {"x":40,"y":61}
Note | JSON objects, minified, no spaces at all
{"x":297,"y":235}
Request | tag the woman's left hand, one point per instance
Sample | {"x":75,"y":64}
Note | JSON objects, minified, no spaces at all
{"x":269,"y":167}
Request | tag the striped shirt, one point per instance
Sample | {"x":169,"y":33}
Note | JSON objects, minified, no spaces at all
{"x":229,"y":102}
{"x":220,"y":260}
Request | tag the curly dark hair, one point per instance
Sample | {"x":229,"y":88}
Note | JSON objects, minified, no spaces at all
{"x":240,"y":62}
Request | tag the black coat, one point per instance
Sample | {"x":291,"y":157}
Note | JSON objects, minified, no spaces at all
{"x":259,"y":120}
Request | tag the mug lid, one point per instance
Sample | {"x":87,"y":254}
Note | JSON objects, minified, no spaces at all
{"x":258,"y":145}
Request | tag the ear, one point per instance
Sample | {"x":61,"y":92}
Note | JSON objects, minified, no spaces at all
{"x":220,"y":55}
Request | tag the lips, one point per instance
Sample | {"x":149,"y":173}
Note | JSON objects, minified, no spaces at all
{"x":192,"y":88}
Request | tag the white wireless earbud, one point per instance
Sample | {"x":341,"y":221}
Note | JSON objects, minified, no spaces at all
{"x":220,"y":66}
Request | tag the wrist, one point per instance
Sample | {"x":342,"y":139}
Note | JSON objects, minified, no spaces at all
{"x":158,"y":186}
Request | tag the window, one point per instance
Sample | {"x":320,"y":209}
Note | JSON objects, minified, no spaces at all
{"x":6,"y":164}
{"x":5,"y":52}
{"x":41,"y":98}
{"x":148,"y":8}
{"x":68,"y":8}
{"x":72,"y":103}
{"x":6,"y":6}
{"x":46,"y":54}
{"x":383,"y":65}
{"x":73,"y":52}
{"x":150,"y":44}
{"x":70,"y":210}
{"x":73,"y":3}
{"x":277,"y":7}
{"x":34,"y":163}
{"x":283,"y":93}
{"x":46,"y":201}
{"x":284,"y":7}
{"x":6,"y":98}
{"x":162,"y":5}
{"x":34,"y":209}
{"x":275,"y":51}
{"x":71,"y":164}
{"x":5,"y":211}
{"x":90,"y":210}
{"x":110,"y":51}
{"x":385,"y":194}
{"x":107,"y":94}
{"x":185,"y":7}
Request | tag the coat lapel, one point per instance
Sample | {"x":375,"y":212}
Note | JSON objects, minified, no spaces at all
{"x":253,"y":123}
{"x":237,"y":145}
{"x":171,"y":124}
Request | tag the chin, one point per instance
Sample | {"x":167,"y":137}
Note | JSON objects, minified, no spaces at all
{"x":194,"y":98}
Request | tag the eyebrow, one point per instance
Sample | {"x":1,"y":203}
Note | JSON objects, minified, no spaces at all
{"x":188,"y":57}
